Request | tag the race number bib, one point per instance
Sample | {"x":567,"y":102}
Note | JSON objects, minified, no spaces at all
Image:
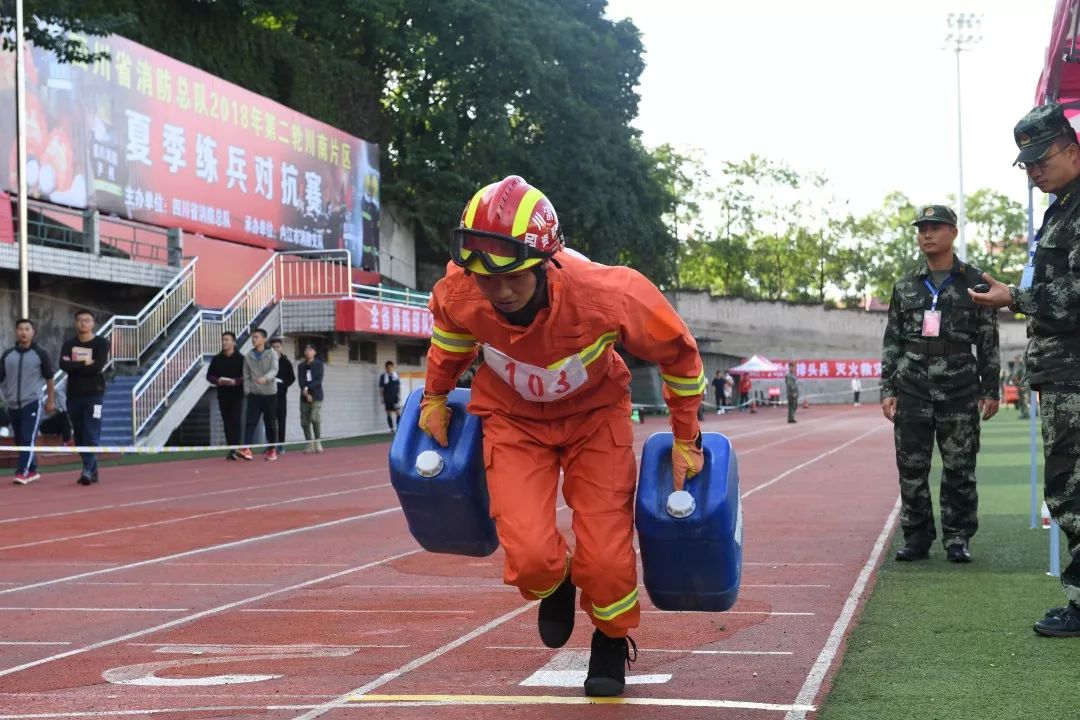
{"x":536,"y":383}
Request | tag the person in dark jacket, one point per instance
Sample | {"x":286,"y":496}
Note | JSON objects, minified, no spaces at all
{"x":84,"y":358}
{"x":390,"y":388}
{"x":285,"y":378}
{"x":226,"y":373}
{"x":23,"y":368}
{"x":310,"y":375}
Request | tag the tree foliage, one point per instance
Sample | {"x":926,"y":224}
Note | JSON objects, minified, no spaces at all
{"x":458,"y":93}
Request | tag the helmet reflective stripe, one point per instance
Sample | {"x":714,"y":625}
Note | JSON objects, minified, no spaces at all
{"x":470,"y":211}
{"x":524,"y":211}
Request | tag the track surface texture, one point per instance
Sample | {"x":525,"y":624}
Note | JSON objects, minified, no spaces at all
{"x":293,"y":590}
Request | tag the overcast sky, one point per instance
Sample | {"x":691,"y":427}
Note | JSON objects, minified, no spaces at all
{"x":861,"y":90}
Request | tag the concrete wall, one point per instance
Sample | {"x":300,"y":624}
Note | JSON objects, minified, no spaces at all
{"x":740,"y":328}
{"x":397,"y":249}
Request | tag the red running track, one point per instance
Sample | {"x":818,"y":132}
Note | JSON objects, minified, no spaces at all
{"x":206,"y":589}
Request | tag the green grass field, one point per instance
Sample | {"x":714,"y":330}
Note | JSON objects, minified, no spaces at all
{"x":938,"y":640}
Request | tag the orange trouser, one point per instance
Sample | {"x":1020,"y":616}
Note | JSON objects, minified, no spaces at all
{"x":595,"y":452}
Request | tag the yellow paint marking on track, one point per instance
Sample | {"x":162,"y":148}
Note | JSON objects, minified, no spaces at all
{"x":570,"y":700}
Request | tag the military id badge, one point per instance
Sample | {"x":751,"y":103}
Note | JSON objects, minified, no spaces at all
{"x":1027,"y":278}
{"x":931,"y":323}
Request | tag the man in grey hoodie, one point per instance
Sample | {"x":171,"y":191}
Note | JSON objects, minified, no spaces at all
{"x":23,"y":368}
{"x":260,"y":387}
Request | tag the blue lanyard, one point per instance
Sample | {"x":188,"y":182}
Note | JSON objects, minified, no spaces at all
{"x":935,"y":291}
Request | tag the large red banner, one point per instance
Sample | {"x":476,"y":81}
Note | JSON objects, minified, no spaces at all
{"x":826,"y":369}
{"x":148,"y":138}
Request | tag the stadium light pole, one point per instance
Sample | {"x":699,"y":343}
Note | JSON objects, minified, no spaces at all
{"x":963,"y":34}
{"x":20,"y":160}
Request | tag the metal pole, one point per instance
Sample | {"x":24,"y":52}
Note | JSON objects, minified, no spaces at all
{"x":961,"y":244}
{"x":1055,"y":550}
{"x":1033,"y":403}
{"x":20,"y":135}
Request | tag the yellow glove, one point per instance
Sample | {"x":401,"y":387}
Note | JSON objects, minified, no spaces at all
{"x":686,"y":460}
{"x":435,"y":418}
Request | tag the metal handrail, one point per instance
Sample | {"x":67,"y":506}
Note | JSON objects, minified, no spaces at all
{"x":378,"y":292}
{"x":135,"y":334}
{"x":153,"y":389}
{"x":314,"y":273}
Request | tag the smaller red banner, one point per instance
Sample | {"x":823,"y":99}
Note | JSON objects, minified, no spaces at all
{"x":372,"y":316}
{"x":825,"y":369}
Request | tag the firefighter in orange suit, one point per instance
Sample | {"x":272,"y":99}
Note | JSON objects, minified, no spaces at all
{"x":554,"y":395}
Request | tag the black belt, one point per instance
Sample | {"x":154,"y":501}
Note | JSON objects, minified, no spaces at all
{"x":938,"y":347}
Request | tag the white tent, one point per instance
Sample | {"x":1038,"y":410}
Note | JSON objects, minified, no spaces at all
{"x":756,"y":365}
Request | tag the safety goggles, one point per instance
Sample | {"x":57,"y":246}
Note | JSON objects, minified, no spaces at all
{"x":496,"y":253}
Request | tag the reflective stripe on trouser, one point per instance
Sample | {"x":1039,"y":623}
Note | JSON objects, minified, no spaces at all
{"x":955,"y":424}
{"x":595,"y":452}
{"x":1060,"y":410}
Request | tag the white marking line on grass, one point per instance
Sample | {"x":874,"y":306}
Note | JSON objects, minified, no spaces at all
{"x":199,"y":551}
{"x":92,"y":609}
{"x":185,"y":518}
{"x":811,"y":461}
{"x":205,"y":613}
{"x":137,"y":503}
{"x":673,"y":651}
{"x":343,"y":700}
{"x":828,"y":653}
{"x":334,"y":611}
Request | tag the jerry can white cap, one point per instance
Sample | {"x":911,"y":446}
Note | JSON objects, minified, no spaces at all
{"x":680,"y":504}
{"x":429,"y":463}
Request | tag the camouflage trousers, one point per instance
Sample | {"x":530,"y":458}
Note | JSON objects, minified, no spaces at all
{"x":1022,"y":402}
{"x":1060,"y":405}
{"x":792,"y":405}
{"x":955,"y":423}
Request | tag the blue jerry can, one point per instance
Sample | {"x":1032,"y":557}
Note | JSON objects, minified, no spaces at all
{"x":443,"y":491}
{"x":691,"y":552}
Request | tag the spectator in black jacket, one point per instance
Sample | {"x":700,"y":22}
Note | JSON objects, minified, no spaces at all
{"x":84,"y":358}
{"x":390,"y":388}
{"x":310,"y":374}
{"x":285,"y":378}
{"x":23,"y":368}
{"x":226,"y":372}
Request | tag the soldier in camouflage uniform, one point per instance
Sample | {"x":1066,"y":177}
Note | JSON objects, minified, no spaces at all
{"x":792,"y":386}
{"x":932,"y":384}
{"x":1049,"y":295}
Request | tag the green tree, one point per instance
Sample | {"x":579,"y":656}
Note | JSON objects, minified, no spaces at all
{"x":62,"y":25}
{"x":996,"y":233}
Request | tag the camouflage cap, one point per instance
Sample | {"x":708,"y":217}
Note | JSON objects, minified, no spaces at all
{"x":936,"y":213}
{"x":1037,"y":130}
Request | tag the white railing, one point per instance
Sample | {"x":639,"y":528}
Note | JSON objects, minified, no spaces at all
{"x":414,"y":298}
{"x":133,"y":335}
{"x":287,"y":275}
{"x":164,"y":376}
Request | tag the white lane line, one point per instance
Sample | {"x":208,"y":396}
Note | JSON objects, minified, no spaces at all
{"x":137,"y":503}
{"x":257,"y":564}
{"x":204,"y":613}
{"x":343,"y":700}
{"x":541,"y":648}
{"x":475,"y":586}
{"x":185,"y":518}
{"x":117,"y":583}
{"x":782,"y":563}
{"x":91,"y":609}
{"x":825,"y":659}
{"x":780,"y":585}
{"x":359,"y":612}
{"x":398,"y":701}
{"x":788,"y":438}
{"x":159,"y":711}
{"x":31,"y":642}
{"x":732,"y":612}
{"x":199,"y":551}
{"x":811,"y":461}
{"x":214,"y":647}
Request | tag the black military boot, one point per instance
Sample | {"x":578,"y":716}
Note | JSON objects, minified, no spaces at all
{"x":958,"y":552}
{"x":914,"y":549}
{"x":608,"y":662}
{"x":556,"y":618}
{"x":1064,"y":624}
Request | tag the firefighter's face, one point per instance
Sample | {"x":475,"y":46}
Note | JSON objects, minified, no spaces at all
{"x":510,"y":292}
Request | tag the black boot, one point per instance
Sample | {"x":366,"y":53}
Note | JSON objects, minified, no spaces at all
{"x":556,"y":618}
{"x":1065,"y":624}
{"x":608,"y":662}
{"x":913,"y":550}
